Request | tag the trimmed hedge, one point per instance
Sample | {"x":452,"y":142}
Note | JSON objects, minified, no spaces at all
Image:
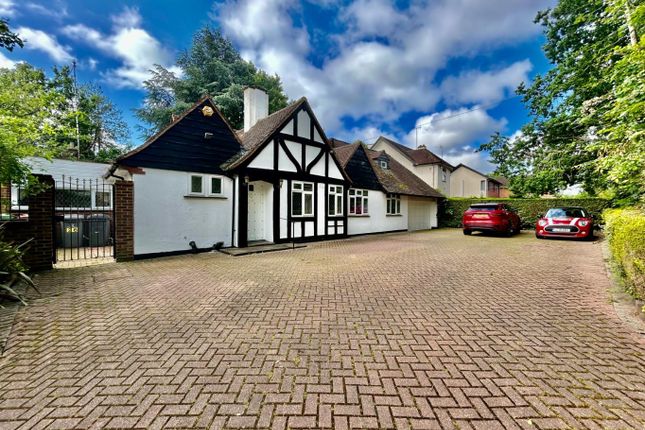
{"x":529,"y":210}
{"x":626,"y":236}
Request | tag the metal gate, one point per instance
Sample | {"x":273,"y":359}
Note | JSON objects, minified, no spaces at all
{"x":83,"y":222}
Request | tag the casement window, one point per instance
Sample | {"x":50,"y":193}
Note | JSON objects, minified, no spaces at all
{"x":204,"y":185}
{"x":393,"y":204}
{"x":82,"y":199}
{"x":335,"y":200}
{"x":302,"y":199}
{"x":358,"y":202}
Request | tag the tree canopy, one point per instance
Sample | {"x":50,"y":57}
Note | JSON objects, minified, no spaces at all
{"x":211,"y":66}
{"x":587,"y":112}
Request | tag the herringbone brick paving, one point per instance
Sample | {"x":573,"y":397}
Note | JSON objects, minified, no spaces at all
{"x":423,"y":330}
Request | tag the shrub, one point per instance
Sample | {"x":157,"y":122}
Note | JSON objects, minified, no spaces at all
{"x":529,"y":210}
{"x":626,"y":236}
{"x":12,"y":269}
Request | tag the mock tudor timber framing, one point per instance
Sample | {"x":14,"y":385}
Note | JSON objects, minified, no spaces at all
{"x":333,"y":226}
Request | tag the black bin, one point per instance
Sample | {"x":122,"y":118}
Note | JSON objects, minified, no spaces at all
{"x":97,"y":230}
{"x":71,"y":232}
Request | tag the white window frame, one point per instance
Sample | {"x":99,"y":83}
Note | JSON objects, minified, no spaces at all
{"x":207,"y":182}
{"x":356,"y":195}
{"x":443,"y":174}
{"x":93,"y":206}
{"x":393,"y":204}
{"x":383,"y":164}
{"x":336,"y":193}
{"x":299,"y":187}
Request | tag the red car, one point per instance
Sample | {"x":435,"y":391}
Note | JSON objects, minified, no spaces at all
{"x":572,"y":222}
{"x":491,"y":217}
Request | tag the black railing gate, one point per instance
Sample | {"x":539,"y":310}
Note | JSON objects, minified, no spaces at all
{"x":83,"y":221}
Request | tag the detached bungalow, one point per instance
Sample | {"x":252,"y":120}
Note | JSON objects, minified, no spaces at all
{"x":385,"y":196}
{"x":198,"y":182}
{"x":468,"y":182}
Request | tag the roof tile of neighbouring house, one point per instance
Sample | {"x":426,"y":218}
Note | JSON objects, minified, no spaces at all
{"x":502,"y":180}
{"x":399,"y":180}
{"x":344,"y":151}
{"x":261,"y":131}
{"x":419,"y":156}
{"x":337,"y":143}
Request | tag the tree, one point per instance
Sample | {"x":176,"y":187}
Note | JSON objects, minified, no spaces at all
{"x":574,"y":105}
{"x":8,"y":39}
{"x":211,"y":66}
{"x":31,"y":120}
{"x":101,"y":128}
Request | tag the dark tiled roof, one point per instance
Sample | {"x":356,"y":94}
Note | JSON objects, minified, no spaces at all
{"x":344,"y":152}
{"x":502,"y":180}
{"x":261,"y":131}
{"x":399,"y":180}
{"x":336,"y":143}
{"x":419,"y":156}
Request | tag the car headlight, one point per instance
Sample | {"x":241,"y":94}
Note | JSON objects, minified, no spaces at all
{"x":542,"y":222}
{"x":583,"y":223}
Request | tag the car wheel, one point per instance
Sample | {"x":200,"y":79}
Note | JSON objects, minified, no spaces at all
{"x":467,"y":232}
{"x":509,"y":232}
{"x":538,"y":236}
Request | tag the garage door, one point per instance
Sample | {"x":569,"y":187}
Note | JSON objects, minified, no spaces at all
{"x":422,"y":214}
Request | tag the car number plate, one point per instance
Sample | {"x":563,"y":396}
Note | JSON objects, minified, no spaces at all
{"x":479,"y":216}
{"x":561,"y":230}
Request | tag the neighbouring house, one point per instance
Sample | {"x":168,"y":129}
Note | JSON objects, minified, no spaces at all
{"x":197,"y":182}
{"x":384,"y":196}
{"x":504,"y":190}
{"x":432,"y":169}
{"x":468,"y":182}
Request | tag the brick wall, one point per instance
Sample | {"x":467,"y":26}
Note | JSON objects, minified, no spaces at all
{"x":124,"y":220}
{"x":39,"y":227}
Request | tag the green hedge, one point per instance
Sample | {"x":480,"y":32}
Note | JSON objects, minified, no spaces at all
{"x":625,"y":230}
{"x":529,"y":210}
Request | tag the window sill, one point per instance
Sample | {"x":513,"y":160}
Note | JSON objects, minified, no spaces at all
{"x":191,"y":196}
{"x":359,"y":216}
{"x":393,"y":214}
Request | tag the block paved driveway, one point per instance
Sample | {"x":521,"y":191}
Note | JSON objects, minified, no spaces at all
{"x":423,"y":330}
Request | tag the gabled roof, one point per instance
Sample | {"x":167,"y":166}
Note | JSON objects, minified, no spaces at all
{"x":257,"y":135}
{"x":395,"y":179}
{"x":419,"y":156}
{"x":337,"y":143}
{"x":460,"y":165}
{"x":502,"y":180}
{"x":182,"y":145}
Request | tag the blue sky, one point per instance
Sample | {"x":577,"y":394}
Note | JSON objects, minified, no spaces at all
{"x":368,"y":67}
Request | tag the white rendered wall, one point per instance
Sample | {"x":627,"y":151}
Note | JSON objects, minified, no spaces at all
{"x":165,"y":220}
{"x":466,"y":183}
{"x":378,"y":220}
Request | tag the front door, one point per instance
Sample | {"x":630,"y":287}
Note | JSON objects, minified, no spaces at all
{"x":257,"y":210}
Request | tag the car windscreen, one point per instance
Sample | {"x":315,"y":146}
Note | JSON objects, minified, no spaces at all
{"x":566,"y":213}
{"x":483,"y":208}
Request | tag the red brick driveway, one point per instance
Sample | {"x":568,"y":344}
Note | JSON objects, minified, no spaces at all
{"x":424,"y":330}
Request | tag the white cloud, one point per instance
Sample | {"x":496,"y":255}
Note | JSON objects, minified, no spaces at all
{"x":7,"y":8}
{"x":41,"y":41}
{"x":56,"y":9}
{"x":475,"y":86}
{"x":384,"y":62}
{"x":6,"y":63}
{"x":133,"y":46}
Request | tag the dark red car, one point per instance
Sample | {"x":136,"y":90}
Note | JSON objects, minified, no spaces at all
{"x":491,"y":217}
{"x":572,"y":222}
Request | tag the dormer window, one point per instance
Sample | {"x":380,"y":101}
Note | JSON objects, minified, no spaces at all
{"x":384,"y":164}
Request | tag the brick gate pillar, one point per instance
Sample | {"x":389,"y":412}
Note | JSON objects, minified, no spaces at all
{"x":124,"y":220}
{"x":39,"y":227}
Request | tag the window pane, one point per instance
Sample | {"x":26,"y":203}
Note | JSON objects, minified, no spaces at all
{"x":296,"y":203}
{"x":332,"y":208}
{"x":309,"y":187}
{"x":73,"y":198}
{"x":195,"y":184}
{"x":309,"y":207}
{"x":398,"y":206}
{"x":297,"y":186}
{"x":102,"y":199}
{"x":389,"y":202}
{"x":352,"y":205}
{"x":365,"y":206}
{"x":364,"y":192}
{"x":339,"y":205}
{"x":351,"y":192}
{"x":216,"y":185}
